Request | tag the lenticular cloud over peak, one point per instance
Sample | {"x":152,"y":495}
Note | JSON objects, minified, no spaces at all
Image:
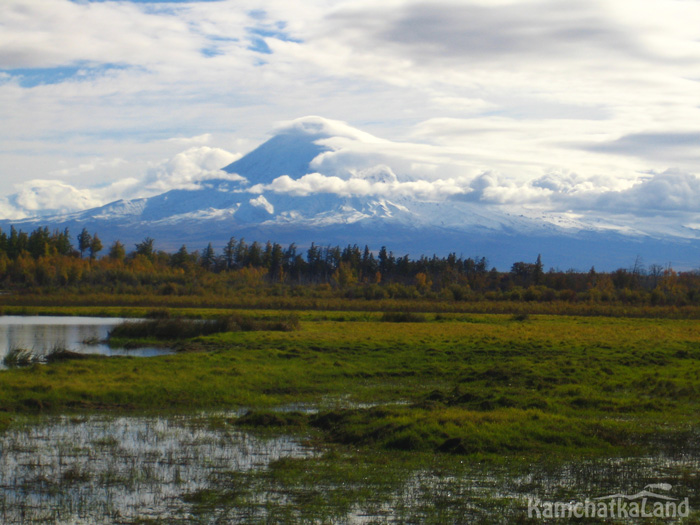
{"x":323,"y":180}
{"x":314,"y":126}
{"x":316,"y":156}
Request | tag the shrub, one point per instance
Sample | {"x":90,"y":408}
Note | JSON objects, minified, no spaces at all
{"x":403,"y":317}
{"x":167,"y":328}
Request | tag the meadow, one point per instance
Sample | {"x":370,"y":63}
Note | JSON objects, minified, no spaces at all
{"x":387,"y":396}
{"x":444,"y":382}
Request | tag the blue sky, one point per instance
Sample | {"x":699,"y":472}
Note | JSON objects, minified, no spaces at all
{"x":583,"y":109}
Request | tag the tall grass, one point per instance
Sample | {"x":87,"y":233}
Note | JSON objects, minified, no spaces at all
{"x":178,"y":328}
{"x":20,"y":357}
{"x":403,"y":317}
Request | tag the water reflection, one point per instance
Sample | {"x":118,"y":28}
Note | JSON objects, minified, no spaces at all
{"x":128,"y":469}
{"x":480,"y":493}
{"x":42,"y":334}
{"x":103,"y":469}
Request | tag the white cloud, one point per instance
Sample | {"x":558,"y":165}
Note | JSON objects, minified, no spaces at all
{"x":41,"y":195}
{"x":314,"y":183}
{"x":188,"y":168}
{"x":511,"y":102}
{"x":668,"y":192}
{"x":44,"y":34}
{"x":184,"y":170}
{"x":199,"y":140}
{"x":88,"y":167}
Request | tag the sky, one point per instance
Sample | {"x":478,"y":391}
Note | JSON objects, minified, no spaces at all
{"x":588,"y":109}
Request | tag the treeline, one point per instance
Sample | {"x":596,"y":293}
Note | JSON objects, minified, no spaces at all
{"x":44,"y":261}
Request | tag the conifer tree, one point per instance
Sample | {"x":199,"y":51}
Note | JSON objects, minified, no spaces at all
{"x":95,"y":246}
{"x":117,"y":251}
{"x":84,"y":241}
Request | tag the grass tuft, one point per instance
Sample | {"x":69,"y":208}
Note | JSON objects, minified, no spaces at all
{"x":20,"y":357}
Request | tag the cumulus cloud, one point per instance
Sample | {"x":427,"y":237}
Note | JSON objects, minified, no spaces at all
{"x":40,"y":196}
{"x":314,"y":183}
{"x":668,"y":192}
{"x":570,"y":183}
{"x":491,"y":188}
{"x":190,"y":167}
{"x":37,"y":198}
{"x":362,"y":165}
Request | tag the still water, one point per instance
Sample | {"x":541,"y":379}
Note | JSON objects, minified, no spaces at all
{"x":42,"y":334}
{"x":202,"y":469}
{"x":123,"y":470}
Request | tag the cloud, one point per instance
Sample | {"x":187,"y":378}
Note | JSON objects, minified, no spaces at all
{"x":362,"y":165}
{"x":314,"y":183}
{"x":42,"y":196}
{"x":332,"y":132}
{"x":190,"y":167}
{"x":89,"y":167}
{"x":671,"y":192}
{"x":571,"y":183}
{"x":673,"y":146}
{"x":37,"y":198}
{"x":667,"y":193}
{"x":186,"y":169}
{"x":513,"y":103}
{"x":50,"y":34}
{"x":447,"y":31}
{"x":491,"y":188}
{"x":199,"y":140}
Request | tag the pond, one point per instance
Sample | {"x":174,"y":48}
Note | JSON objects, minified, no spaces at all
{"x":42,"y":334}
{"x":201,"y":468}
{"x":104,"y":470}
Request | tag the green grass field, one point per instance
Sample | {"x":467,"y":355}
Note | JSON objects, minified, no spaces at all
{"x":456,"y":383}
{"x":402,"y":414}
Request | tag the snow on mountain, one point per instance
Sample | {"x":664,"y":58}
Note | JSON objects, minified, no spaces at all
{"x":288,"y":153}
{"x":293,"y":188}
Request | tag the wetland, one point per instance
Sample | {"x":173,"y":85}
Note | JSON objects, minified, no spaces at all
{"x":358,"y":417}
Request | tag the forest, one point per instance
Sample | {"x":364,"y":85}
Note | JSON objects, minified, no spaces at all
{"x":44,"y":262}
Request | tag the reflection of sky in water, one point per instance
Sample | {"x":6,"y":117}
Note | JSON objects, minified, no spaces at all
{"x":41,"y":334}
{"x":104,"y":470}
{"x":128,"y":467}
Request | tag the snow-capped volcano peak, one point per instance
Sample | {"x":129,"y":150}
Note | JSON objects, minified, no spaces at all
{"x":322,"y":180}
{"x":289,"y":153}
{"x":297,"y":148}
